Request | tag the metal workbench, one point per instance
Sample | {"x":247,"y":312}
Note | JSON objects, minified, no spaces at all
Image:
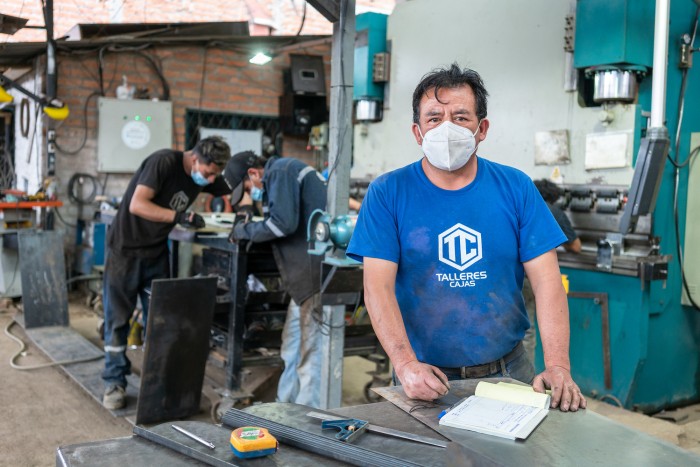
{"x":234,"y":267}
{"x":562,"y":439}
{"x":233,"y":264}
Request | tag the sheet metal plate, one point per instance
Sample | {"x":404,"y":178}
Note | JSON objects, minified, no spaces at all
{"x":177,"y":345}
{"x":568,"y":439}
{"x":562,"y":439}
{"x":64,"y":343}
{"x":43,"y":272}
{"x":294,"y":415}
{"x":121,"y":452}
{"x":221,"y":455}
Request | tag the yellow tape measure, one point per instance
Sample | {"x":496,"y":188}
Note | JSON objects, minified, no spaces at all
{"x":252,"y":441}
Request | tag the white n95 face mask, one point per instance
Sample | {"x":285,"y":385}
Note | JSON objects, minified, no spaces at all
{"x":449,"y":146}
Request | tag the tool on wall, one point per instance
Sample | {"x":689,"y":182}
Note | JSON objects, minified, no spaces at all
{"x":52,"y":107}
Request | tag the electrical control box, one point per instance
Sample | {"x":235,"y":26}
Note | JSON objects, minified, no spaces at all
{"x":131,"y":130}
{"x":371,"y":57}
{"x":691,"y":262}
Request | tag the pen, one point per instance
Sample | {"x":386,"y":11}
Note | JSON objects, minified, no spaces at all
{"x":193,"y":436}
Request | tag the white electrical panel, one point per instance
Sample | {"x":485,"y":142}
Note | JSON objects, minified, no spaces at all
{"x":691,"y":252}
{"x":131,"y":130}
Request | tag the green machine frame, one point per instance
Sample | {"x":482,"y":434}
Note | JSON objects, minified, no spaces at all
{"x":633,"y":341}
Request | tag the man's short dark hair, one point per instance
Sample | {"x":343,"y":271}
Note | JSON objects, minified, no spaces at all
{"x":450,"y":78}
{"x":213,"y":149}
{"x":550,"y":191}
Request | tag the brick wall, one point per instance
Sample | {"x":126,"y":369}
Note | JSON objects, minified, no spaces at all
{"x":285,"y":15}
{"x":230,"y":84}
{"x":225,"y":82}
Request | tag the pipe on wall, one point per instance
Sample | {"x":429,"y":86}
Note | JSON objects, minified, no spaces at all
{"x":658,"y":77}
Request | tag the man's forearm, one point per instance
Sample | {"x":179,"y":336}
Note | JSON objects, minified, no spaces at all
{"x":152,"y":212}
{"x":256,"y":232}
{"x":388,"y":326}
{"x":553,"y":321}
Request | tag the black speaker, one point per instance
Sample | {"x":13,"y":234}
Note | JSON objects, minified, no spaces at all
{"x":298,"y":113}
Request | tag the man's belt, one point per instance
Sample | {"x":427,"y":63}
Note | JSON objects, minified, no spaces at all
{"x":486,"y":369}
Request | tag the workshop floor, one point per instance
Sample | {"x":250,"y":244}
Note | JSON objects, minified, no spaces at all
{"x":43,"y":409}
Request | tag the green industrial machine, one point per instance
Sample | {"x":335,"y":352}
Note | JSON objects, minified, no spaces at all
{"x":635,"y":331}
{"x":371,"y":66}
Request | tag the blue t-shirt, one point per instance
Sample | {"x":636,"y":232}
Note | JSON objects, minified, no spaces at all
{"x":459,"y":256}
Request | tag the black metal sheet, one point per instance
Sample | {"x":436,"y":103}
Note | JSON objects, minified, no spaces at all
{"x":221,"y":455}
{"x":42,"y":266}
{"x":562,"y":439}
{"x":121,"y":452}
{"x":426,"y":411}
{"x":64,"y":343}
{"x":177,"y":345}
{"x":411,"y":453}
{"x":581,"y":438}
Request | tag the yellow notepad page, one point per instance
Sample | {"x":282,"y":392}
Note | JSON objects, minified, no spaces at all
{"x":505,"y":392}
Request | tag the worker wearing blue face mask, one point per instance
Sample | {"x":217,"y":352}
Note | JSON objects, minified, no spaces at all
{"x":157,"y":198}
{"x":289,"y":191}
{"x":446,"y":242}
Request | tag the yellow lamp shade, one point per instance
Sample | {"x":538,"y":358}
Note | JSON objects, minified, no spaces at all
{"x":4,"y":96}
{"x":57,"y":113}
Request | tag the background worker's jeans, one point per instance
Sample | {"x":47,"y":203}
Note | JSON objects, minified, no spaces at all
{"x":124,"y":280}
{"x":301,"y":351}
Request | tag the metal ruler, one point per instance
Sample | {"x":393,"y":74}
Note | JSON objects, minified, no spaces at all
{"x":385,"y":431}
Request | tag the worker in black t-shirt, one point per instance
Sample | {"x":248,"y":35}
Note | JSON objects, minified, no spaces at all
{"x":161,"y":190}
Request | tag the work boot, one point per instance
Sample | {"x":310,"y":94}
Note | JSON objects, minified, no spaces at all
{"x":114,"y":398}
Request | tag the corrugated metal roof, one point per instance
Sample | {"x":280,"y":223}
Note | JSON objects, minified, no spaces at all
{"x":137,"y":30}
{"x":14,"y":54}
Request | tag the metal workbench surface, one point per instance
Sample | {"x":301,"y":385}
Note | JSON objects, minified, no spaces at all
{"x":580,"y":438}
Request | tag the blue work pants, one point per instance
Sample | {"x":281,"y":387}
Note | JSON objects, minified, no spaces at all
{"x":300,"y":381}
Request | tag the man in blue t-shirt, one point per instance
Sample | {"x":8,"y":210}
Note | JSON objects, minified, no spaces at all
{"x":446,"y":242}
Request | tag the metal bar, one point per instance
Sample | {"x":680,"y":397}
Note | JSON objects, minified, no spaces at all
{"x":332,"y":344}
{"x":10,"y":84}
{"x":340,"y":125}
{"x":51,"y":87}
{"x":660,"y":64}
{"x":607,"y":367}
{"x":385,"y":431}
{"x":312,"y":442}
{"x":208,"y":444}
{"x":238,"y":263}
{"x":330,"y":9}
{"x":602,"y":299}
{"x":51,"y":78}
{"x":340,"y":148}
